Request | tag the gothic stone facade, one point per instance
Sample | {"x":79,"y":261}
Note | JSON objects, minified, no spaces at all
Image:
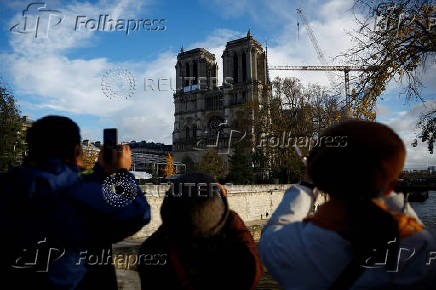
{"x":205,"y":113}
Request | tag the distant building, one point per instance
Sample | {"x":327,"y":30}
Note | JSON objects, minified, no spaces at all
{"x":204,"y":110}
{"x":152,"y":157}
{"x":90,"y":146}
{"x":27,"y":123}
{"x":432,"y":169}
{"x":150,"y":148}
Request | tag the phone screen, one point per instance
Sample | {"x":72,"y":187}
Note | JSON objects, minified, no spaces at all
{"x":110,"y":137}
{"x":110,"y":141}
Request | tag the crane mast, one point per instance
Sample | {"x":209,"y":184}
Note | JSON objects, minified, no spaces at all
{"x":319,"y":52}
{"x":324,"y":65}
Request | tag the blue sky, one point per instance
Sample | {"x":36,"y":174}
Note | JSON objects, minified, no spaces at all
{"x":61,"y":73}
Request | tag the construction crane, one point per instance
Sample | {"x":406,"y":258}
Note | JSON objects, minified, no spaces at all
{"x":345,"y":68}
{"x":319,"y":52}
{"x":324,"y":64}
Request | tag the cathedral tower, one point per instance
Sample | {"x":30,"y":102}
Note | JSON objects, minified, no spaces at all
{"x":202,"y":107}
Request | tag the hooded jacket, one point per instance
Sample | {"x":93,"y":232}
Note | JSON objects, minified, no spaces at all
{"x":59,"y":226}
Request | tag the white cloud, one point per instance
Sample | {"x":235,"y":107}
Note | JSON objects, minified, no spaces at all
{"x":41,"y":67}
{"x":151,"y":114}
{"x":404,"y":123}
{"x":71,"y":85}
{"x":330,"y":29}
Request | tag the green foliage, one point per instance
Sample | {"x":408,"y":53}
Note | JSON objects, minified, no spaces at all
{"x":241,"y":167}
{"x":212,"y":164}
{"x":191,"y":166}
{"x":11,"y":125}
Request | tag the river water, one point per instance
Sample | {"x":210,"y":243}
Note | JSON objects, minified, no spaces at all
{"x":426,"y":211}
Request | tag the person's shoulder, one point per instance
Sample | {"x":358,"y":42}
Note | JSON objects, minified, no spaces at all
{"x":298,"y":240}
{"x":236,"y":221}
{"x":423,"y":239}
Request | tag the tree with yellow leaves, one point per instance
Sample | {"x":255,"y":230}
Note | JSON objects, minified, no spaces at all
{"x":394,"y":41}
{"x":292,"y":114}
{"x":88,"y":157}
{"x":169,"y":167}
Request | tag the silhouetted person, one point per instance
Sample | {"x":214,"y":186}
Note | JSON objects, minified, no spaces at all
{"x":201,"y":244}
{"x":58,"y":224}
{"x":365,"y":236}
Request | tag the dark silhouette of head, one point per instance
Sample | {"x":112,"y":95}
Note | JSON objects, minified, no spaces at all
{"x":53,"y":137}
{"x":365,"y":166}
{"x":194,"y":206}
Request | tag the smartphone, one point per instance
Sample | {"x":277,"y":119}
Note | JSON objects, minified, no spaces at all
{"x":110,"y":141}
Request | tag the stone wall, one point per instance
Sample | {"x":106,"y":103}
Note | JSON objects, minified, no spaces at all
{"x":252,"y":202}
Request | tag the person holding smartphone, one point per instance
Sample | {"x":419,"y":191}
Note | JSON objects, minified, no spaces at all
{"x":60,"y":221}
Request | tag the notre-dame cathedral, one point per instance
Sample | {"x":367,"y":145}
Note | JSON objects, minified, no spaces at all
{"x":205,"y":113}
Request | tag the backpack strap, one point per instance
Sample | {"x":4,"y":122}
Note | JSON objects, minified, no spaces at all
{"x":174,"y":256}
{"x":356,"y":267}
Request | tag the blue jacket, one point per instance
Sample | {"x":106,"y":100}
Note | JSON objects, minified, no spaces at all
{"x":53,"y":217}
